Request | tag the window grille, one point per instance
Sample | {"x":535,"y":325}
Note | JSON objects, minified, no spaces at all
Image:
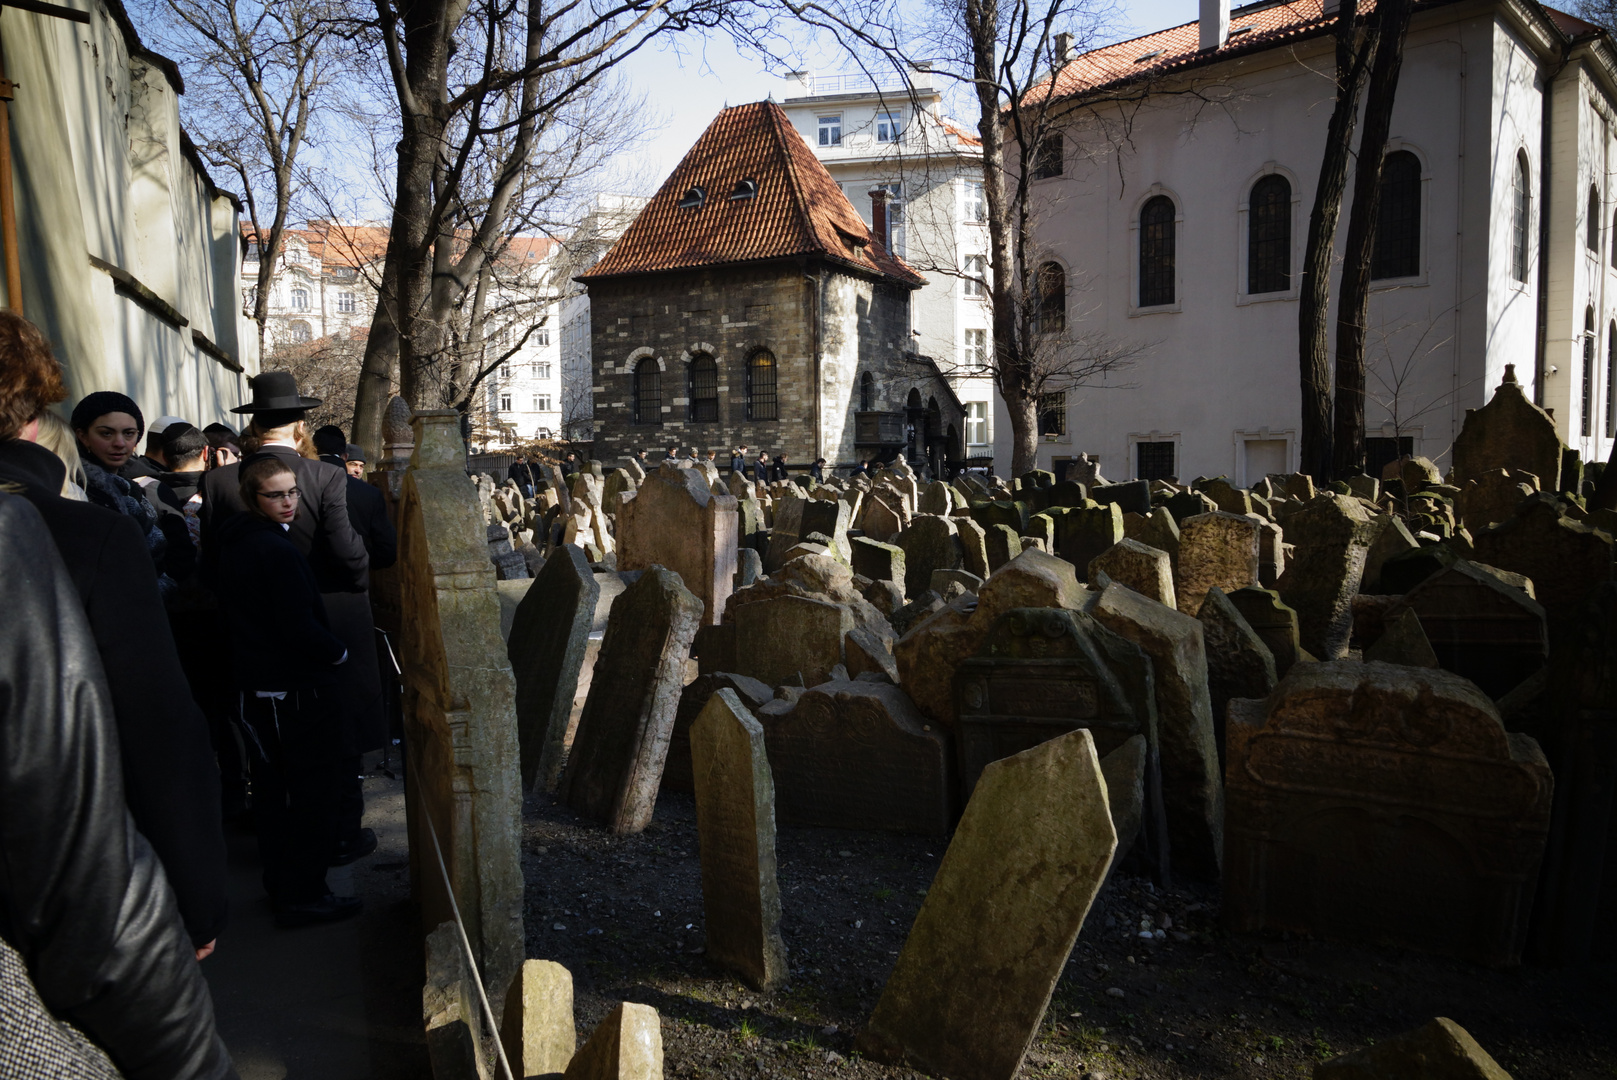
{"x":1397,"y":248}
{"x":704,"y":376}
{"x":1050,"y":159}
{"x":1268,"y":230}
{"x":1051,"y":317}
{"x":762,"y":402}
{"x":1154,"y":460}
{"x":648,"y":392}
{"x":1053,"y":413}
{"x":1520,"y":220}
{"x":1157,"y":252}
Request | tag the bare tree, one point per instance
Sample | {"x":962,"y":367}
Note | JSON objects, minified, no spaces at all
{"x":327,"y":368}
{"x":1353,"y":300}
{"x":258,"y":74}
{"x":482,"y":89}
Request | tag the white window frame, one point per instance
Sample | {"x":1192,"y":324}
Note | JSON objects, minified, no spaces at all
{"x":542,"y":403}
{"x":974,"y":359}
{"x":345,"y":303}
{"x":541,"y":369}
{"x":1135,"y":310}
{"x":982,"y":422}
{"x":828,"y":127}
{"x":974,"y":284}
{"x":974,"y":210}
{"x":505,"y":401}
{"x":1263,"y":434}
{"x":889,"y":127}
{"x":298,"y":298}
{"x":1137,"y":437}
{"x":1424,"y":277}
{"x":1243,"y":237}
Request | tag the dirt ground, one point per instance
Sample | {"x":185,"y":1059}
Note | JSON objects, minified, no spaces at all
{"x":625,"y":916}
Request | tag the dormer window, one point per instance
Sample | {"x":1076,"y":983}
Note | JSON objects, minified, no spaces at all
{"x":693,"y":200}
{"x":745,"y":189}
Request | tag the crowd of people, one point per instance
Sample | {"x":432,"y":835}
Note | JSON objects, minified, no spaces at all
{"x":189,"y":644}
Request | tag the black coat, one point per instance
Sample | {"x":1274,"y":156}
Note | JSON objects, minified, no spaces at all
{"x":82,"y":897}
{"x":322,"y":531}
{"x":280,"y":636}
{"x":170,"y":777}
{"x":522,"y":473}
{"x":367,"y":510}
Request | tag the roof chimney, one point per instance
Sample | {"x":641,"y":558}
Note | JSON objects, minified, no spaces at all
{"x":1331,"y":7}
{"x":1215,"y":23}
{"x":878,"y":215}
{"x":1064,"y":49}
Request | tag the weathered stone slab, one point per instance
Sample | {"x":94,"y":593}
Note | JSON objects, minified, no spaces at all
{"x":857,"y":755}
{"x":876,"y":560}
{"x":1440,"y":1050}
{"x":1133,"y":497}
{"x":864,"y":652}
{"x":1125,"y":770}
{"x":1493,"y":497}
{"x":1227,"y":497}
{"x":795,"y":519}
{"x":880,"y":519}
{"x":1477,"y":626}
{"x":1002,"y":544}
{"x":616,"y":763}
{"x":537,"y":1027}
{"x":1384,"y":804}
{"x":1393,"y":540}
{"x":1330,"y":538}
{"x":973,"y":546}
{"x":1157,"y":529}
{"x":1217,"y":550}
{"x":549,"y":632}
{"x":628,"y":1045}
{"x":930,"y":543}
{"x":450,"y":1009}
{"x":735,"y":820}
{"x":1509,"y":432}
{"x":1565,"y":559}
{"x":1239,"y":664}
{"x":791,"y":640}
{"x":1192,"y":788}
{"x":1144,"y":569}
{"x":1272,"y":621}
{"x":1402,"y":641}
{"x":972,"y":983}
{"x":1082,"y":534}
{"x":677,"y":521}
{"x":692,"y":700}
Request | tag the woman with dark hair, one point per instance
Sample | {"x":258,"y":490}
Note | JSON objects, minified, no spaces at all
{"x":286,"y":662}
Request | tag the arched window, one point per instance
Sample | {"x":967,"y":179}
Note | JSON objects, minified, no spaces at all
{"x":300,"y":299}
{"x":1268,"y":236}
{"x":648,"y":391}
{"x":1051,"y":317}
{"x":301,"y":331}
{"x":1611,"y":380}
{"x":1588,"y":370}
{"x":704,"y":379}
{"x":1521,"y":219}
{"x":1592,"y":225}
{"x":867,"y":392}
{"x":762,"y":400}
{"x":1397,"y":251}
{"x":1156,"y":252}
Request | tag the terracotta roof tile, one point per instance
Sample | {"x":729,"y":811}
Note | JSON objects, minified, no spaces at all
{"x":797,"y":209}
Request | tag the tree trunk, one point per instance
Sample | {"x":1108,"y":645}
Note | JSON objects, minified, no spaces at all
{"x":1353,"y":300}
{"x":1313,"y":305}
{"x":379,"y":373}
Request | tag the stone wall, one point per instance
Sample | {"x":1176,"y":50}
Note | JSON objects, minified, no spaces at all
{"x":732,"y":312}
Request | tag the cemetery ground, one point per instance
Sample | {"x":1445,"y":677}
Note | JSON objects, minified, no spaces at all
{"x":624,"y":915}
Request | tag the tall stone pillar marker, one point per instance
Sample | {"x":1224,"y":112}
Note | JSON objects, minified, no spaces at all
{"x":735,"y":819}
{"x":975,"y":976}
{"x":459,"y":707}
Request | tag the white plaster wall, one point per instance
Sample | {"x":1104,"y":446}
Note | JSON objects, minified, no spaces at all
{"x":1219,"y":366}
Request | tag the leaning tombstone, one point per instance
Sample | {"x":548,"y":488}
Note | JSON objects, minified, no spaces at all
{"x":449,"y":1008}
{"x":1273,"y":622}
{"x":1331,"y":538}
{"x":735,"y":823}
{"x":549,"y":633}
{"x":1384,"y":804}
{"x":1239,"y":664}
{"x":1217,"y":550}
{"x":616,"y":763}
{"x":972,"y":983}
{"x":536,"y":1028}
{"x":627,"y":1045}
{"x":677,"y":520}
{"x":1478,"y":626}
{"x":930,"y":543}
{"x":1144,"y":569}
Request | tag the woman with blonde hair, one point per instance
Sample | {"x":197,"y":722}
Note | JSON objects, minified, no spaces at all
{"x":57,"y":437}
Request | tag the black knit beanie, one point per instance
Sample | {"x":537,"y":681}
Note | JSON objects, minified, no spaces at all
{"x":101,"y":403}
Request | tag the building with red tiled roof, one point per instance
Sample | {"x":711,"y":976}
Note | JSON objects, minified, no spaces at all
{"x":749,"y":303}
{"x":1175,"y":211}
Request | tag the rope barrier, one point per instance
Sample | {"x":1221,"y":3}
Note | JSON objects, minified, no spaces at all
{"x":466,"y":945}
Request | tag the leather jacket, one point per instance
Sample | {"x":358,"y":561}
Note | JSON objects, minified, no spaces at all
{"x":83,"y":899}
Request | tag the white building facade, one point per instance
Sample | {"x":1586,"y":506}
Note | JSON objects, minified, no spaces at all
{"x":891,"y":135}
{"x":1495,"y":243}
{"x":600,"y":228}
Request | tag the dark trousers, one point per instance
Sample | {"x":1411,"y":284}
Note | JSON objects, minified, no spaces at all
{"x":298,"y":768}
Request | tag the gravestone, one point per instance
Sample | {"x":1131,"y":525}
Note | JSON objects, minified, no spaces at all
{"x":1393,"y":541}
{"x":692,"y":700}
{"x":1082,"y":534}
{"x":1402,"y":641}
{"x":1192,"y":787}
{"x":1479,"y":627}
{"x":1217,"y":550}
{"x":1565,"y":559}
{"x":1227,"y":497}
{"x":796,"y":518}
{"x":1509,"y":432}
{"x":876,"y":560}
{"x":1273,"y":622}
{"x":537,"y":1026}
{"x":1012,"y":515}
{"x":880,"y":519}
{"x":930,"y":543}
{"x":973,"y":546}
{"x":735,"y":820}
{"x":1239,"y":664}
{"x":1125,"y":770}
{"x":936,"y":498}
{"x":676,"y":520}
{"x":1002,"y":544}
{"x":1188,"y":504}
{"x":549,"y":632}
{"x":1159,"y":530}
{"x":790,"y":640}
{"x":616,"y":763}
{"x":1330,"y":539}
{"x":1493,"y":496}
{"x":1146,"y":570}
{"x":450,"y":1014}
{"x":1133,"y":497}
{"x":1439,"y":1050}
{"x":1384,"y":804}
{"x":628,"y":1045}
{"x":971,"y":985}
{"x":857,"y":755}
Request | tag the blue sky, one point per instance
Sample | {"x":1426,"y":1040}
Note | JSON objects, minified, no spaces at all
{"x":689,"y":86}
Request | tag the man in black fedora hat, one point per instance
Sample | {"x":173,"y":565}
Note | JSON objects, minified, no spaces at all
{"x":324,"y":532}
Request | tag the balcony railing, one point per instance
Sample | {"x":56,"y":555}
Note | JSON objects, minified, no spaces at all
{"x":858,"y":82}
{"x":878,"y":429}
